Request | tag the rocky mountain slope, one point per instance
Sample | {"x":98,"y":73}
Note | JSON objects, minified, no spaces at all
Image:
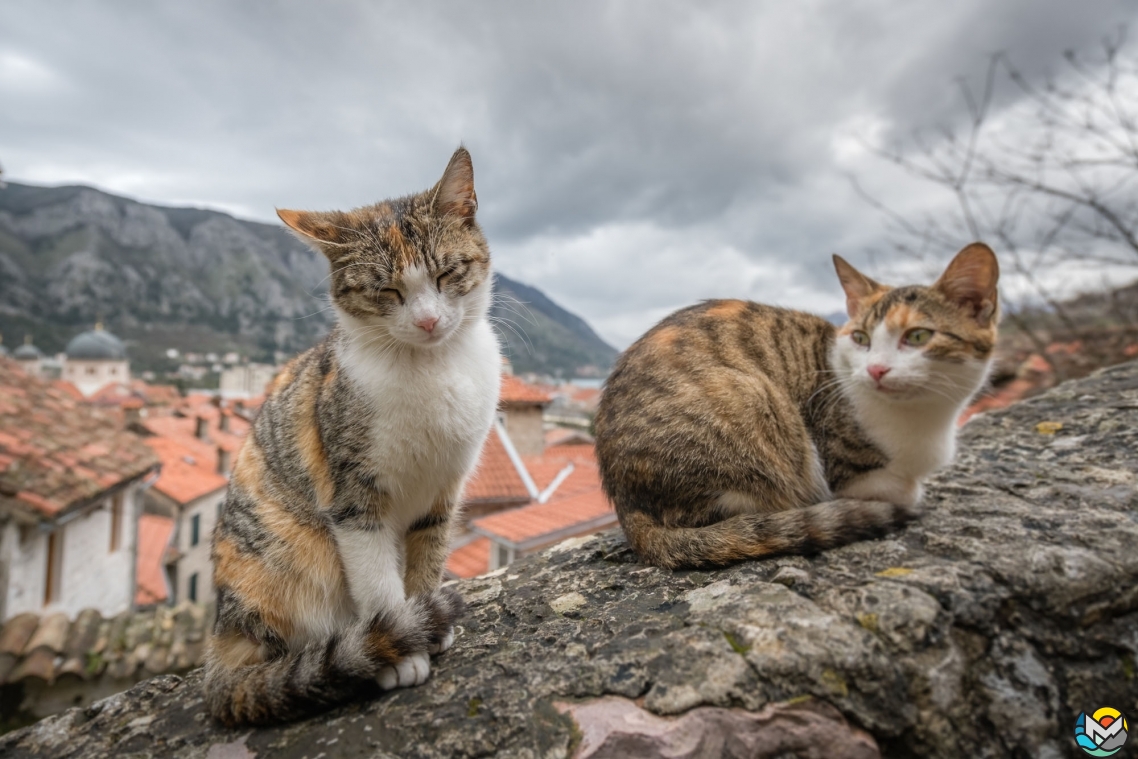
{"x":981,"y":630}
{"x":203,"y":280}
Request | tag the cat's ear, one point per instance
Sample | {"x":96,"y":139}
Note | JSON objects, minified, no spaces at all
{"x":858,"y":287}
{"x":454,"y":194}
{"x":970,"y":282}
{"x":320,"y":227}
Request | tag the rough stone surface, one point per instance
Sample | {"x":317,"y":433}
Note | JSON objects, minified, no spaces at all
{"x":982,"y":630}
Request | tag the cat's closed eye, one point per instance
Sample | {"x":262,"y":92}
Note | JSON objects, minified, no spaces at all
{"x":389,"y":291}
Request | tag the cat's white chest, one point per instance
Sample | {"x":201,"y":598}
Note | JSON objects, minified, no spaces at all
{"x":428,"y":414}
{"x":915,"y":444}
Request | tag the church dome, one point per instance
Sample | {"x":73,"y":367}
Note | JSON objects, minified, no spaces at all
{"x":27,"y":352}
{"x":96,"y":345}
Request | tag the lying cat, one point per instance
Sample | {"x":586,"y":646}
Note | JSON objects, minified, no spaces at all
{"x":329,"y":548}
{"x":734,"y":430}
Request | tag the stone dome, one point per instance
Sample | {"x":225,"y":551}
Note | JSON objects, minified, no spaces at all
{"x":27,"y":352}
{"x":96,"y":345}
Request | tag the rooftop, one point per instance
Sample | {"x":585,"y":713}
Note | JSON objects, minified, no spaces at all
{"x":515,"y":390}
{"x":154,"y":533}
{"x":470,"y":560}
{"x":128,"y":646}
{"x":496,"y":478}
{"x":577,"y":503}
{"x":189,"y":463}
{"x":55,"y":451}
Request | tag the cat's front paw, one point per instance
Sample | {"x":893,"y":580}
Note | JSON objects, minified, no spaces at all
{"x":442,"y":645}
{"x":410,"y":671}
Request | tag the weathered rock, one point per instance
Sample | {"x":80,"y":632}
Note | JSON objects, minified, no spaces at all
{"x":982,"y":630}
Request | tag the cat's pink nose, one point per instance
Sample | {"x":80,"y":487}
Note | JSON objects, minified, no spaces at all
{"x":877,"y":371}
{"x":427,"y":323}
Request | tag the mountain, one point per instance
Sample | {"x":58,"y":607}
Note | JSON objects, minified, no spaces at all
{"x":200,"y":280}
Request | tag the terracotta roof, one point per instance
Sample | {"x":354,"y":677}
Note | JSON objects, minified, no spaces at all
{"x":470,"y":560}
{"x":577,"y":501}
{"x":542,"y":523}
{"x":130,"y":646}
{"x":56,"y":452}
{"x":156,"y":395}
{"x":496,"y":478}
{"x":516,"y":391}
{"x":189,"y":464}
{"x":154,"y":533}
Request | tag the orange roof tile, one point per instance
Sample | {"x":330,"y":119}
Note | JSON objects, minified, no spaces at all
{"x":496,"y":478}
{"x":189,"y":469}
{"x":470,"y":560}
{"x":516,"y":391}
{"x":539,"y":523}
{"x":154,"y":534}
{"x":60,"y":452}
{"x":190,"y":464}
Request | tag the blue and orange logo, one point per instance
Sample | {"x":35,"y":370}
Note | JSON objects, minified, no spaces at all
{"x":1102,"y":733}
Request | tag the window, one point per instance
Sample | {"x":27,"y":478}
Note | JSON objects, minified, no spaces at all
{"x":53,"y":576}
{"x":195,"y":529}
{"x":90,"y":370}
{"x":116,"y":521}
{"x":192,"y":593}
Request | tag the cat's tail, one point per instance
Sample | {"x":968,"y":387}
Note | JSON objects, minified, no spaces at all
{"x":754,"y":536}
{"x":243,"y":688}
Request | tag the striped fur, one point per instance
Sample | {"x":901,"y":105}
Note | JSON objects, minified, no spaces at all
{"x":345,"y":665}
{"x":734,"y":430}
{"x":329,"y":548}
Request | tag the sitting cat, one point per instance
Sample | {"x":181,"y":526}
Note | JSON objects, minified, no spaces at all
{"x":329,"y":549}
{"x":733,"y":430}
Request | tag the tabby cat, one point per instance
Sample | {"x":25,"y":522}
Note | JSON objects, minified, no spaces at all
{"x":734,"y":430}
{"x":329,"y":549}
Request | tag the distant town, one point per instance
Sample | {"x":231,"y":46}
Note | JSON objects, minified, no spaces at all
{"x":110,"y":485}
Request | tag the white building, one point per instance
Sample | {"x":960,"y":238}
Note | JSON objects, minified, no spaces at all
{"x":94,"y":359}
{"x":245,"y":381}
{"x":196,"y":447}
{"x":70,"y":496}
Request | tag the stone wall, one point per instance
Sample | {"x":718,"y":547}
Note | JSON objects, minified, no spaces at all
{"x":982,"y":630}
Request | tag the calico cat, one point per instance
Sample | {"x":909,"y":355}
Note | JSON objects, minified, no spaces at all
{"x":734,"y":430}
{"x":329,"y":549}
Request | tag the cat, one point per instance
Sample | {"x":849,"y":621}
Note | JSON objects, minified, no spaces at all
{"x":329,"y":548}
{"x":734,"y":430}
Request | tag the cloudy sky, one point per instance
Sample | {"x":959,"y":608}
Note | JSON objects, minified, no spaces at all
{"x":630,"y":157}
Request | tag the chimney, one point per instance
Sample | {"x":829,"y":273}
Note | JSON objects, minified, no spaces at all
{"x":201,"y":429}
{"x":223,"y":457}
{"x":223,"y":422}
{"x":132,"y":415}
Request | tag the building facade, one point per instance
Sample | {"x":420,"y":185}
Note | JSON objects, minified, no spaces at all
{"x":71,"y":480}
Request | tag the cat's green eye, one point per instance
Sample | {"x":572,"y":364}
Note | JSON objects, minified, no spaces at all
{"x":918,"y":336}
{"x":859,"y":337}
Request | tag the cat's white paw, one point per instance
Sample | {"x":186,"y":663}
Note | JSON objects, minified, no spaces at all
{"x":411,"y":670}
{"x":444,"y":644}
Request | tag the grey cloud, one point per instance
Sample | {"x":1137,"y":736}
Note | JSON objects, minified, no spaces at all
{"x":713,"y":121}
